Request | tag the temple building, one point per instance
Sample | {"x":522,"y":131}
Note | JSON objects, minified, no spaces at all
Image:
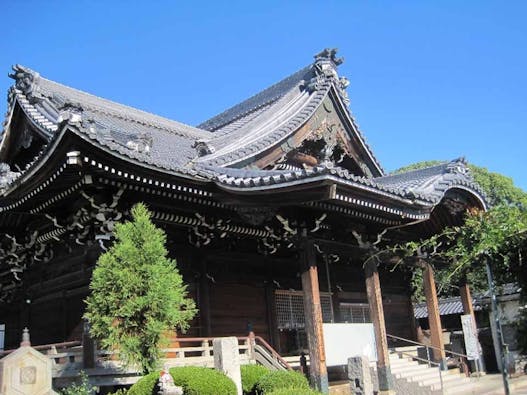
{"x":271,"y":210}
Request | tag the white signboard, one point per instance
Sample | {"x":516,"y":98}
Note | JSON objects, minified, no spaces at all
{"x":470,"y":334}
{"x":343,"y":341}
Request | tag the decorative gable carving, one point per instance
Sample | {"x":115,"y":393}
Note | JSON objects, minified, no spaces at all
{"x":323,"y":139}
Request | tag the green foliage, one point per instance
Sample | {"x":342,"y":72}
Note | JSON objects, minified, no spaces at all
{"x":137,"y":293}
{"x":280,"y":380}
{"x":82,"y":388}
{"x":500,"y":190}
{"x":202,"y":381}
{"x":121,"y":391}
{"x":418,"y":165}
{"x":145,"y":385}
{"x":498,"y":236}
{"x":295,"y":391}
{"x":250,"y":375}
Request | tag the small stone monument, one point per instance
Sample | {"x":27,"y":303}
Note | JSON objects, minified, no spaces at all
{"x":359,"y":375}
{"x":166,"y":384}
{"x":25,"y":371}
{"x":227,"y":359}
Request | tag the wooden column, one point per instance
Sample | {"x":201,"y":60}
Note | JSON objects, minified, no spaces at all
{"x":468,"y":308}
{"x":313,"y":318}
{"x":434,"y":319}
{"x":373,"y":290}
{"x":270,"y":300}
{"x":205,"y":329}
{"x":466,"y":300}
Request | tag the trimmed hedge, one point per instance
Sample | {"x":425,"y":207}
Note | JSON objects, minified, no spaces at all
{"x":145,"y":385}
{"x":250,"y":376}
{"x":281,"y":379}
{"x":202,"y":381}
{"x":293,"y":391}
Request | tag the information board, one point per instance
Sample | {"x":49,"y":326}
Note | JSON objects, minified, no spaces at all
{"x":343,"y":341}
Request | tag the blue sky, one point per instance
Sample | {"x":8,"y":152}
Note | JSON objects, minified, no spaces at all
{"x":429,"y":80}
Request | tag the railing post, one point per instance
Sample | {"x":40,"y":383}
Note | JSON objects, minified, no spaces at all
{"x":428,"y":355}
{"x":206,"y":348}
{"x":251,"y":343}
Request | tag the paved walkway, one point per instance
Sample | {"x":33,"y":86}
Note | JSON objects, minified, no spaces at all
{"x":492,"y":384}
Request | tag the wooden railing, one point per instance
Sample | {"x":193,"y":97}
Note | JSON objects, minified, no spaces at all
{"x":197,"y":351}
{"x":68,"y":359}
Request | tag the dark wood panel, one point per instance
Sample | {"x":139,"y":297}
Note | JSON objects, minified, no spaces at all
{"x":235,"y":307}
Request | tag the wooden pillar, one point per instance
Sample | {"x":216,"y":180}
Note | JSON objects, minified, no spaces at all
{"x":205,"y":329}
{"x":313,"y":318}
{"x":434,"y":319}
{"x":468,"y":308}
{"x":271,"y":314}
{"x":466,"y":300}
{"x":373,"y":291}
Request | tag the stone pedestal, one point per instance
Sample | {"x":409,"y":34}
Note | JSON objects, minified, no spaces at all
{"x":25,"y":372}
{"x":227,"y":359}
{"x":359,"y":376}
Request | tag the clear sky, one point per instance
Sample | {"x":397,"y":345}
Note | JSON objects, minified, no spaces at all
{"x":429,"y":80}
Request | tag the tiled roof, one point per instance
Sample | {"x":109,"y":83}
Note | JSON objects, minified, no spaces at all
{"x":239,"y":133}
{"x":431,"y":183}
{"x":243,"y":112}
{"x":447,"y":306}
{"x":137,"y":134}
{"x":453,"y":304}
{"x":427,"y":185}
{"x":269,"y":117}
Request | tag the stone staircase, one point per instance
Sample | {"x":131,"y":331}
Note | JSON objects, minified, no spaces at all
{"x":417,"y":378}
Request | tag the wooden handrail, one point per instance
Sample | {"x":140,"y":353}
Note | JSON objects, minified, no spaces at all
{"x":47,"y":346}
{"x":427,"y":345}
{"x":273,"y":352}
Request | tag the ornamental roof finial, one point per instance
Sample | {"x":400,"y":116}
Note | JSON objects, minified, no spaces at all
{"x":25,"y":338}
{"x":329,"y":54}
{"x":27,"y":81}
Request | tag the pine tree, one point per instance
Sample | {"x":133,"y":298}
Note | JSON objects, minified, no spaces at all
{"x":137,"y":294}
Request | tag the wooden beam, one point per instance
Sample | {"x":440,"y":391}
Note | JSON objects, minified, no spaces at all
{"x":373,"y":290}
{"x":313,"y":318}
{"x":434,"y":319}
{"x":466,"y":300}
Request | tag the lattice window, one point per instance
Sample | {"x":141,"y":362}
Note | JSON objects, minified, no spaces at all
{"x":355,"y":313}
{"x":290,"y":309}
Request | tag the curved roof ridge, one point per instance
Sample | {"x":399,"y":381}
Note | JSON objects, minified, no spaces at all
{"x":253,"y":103}
{"x":38,"y":86}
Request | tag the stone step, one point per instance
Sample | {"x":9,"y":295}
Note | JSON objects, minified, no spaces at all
{"x":427,"y":375}
{"x":401,"y":361}
{"x":461,"y":389}
{"x":340,"y":388}
{"x":448,"y":380}
{"x":415,"y":371}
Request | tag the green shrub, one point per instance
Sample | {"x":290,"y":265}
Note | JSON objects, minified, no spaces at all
{"x":250,"y":375}
{"x":145,"y":385}
{"x":120,"y":391}
{"x":81,"y":388}
{"x":293,"y":391}
{"x":202,"y":381}
{"x":281,"y":379}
